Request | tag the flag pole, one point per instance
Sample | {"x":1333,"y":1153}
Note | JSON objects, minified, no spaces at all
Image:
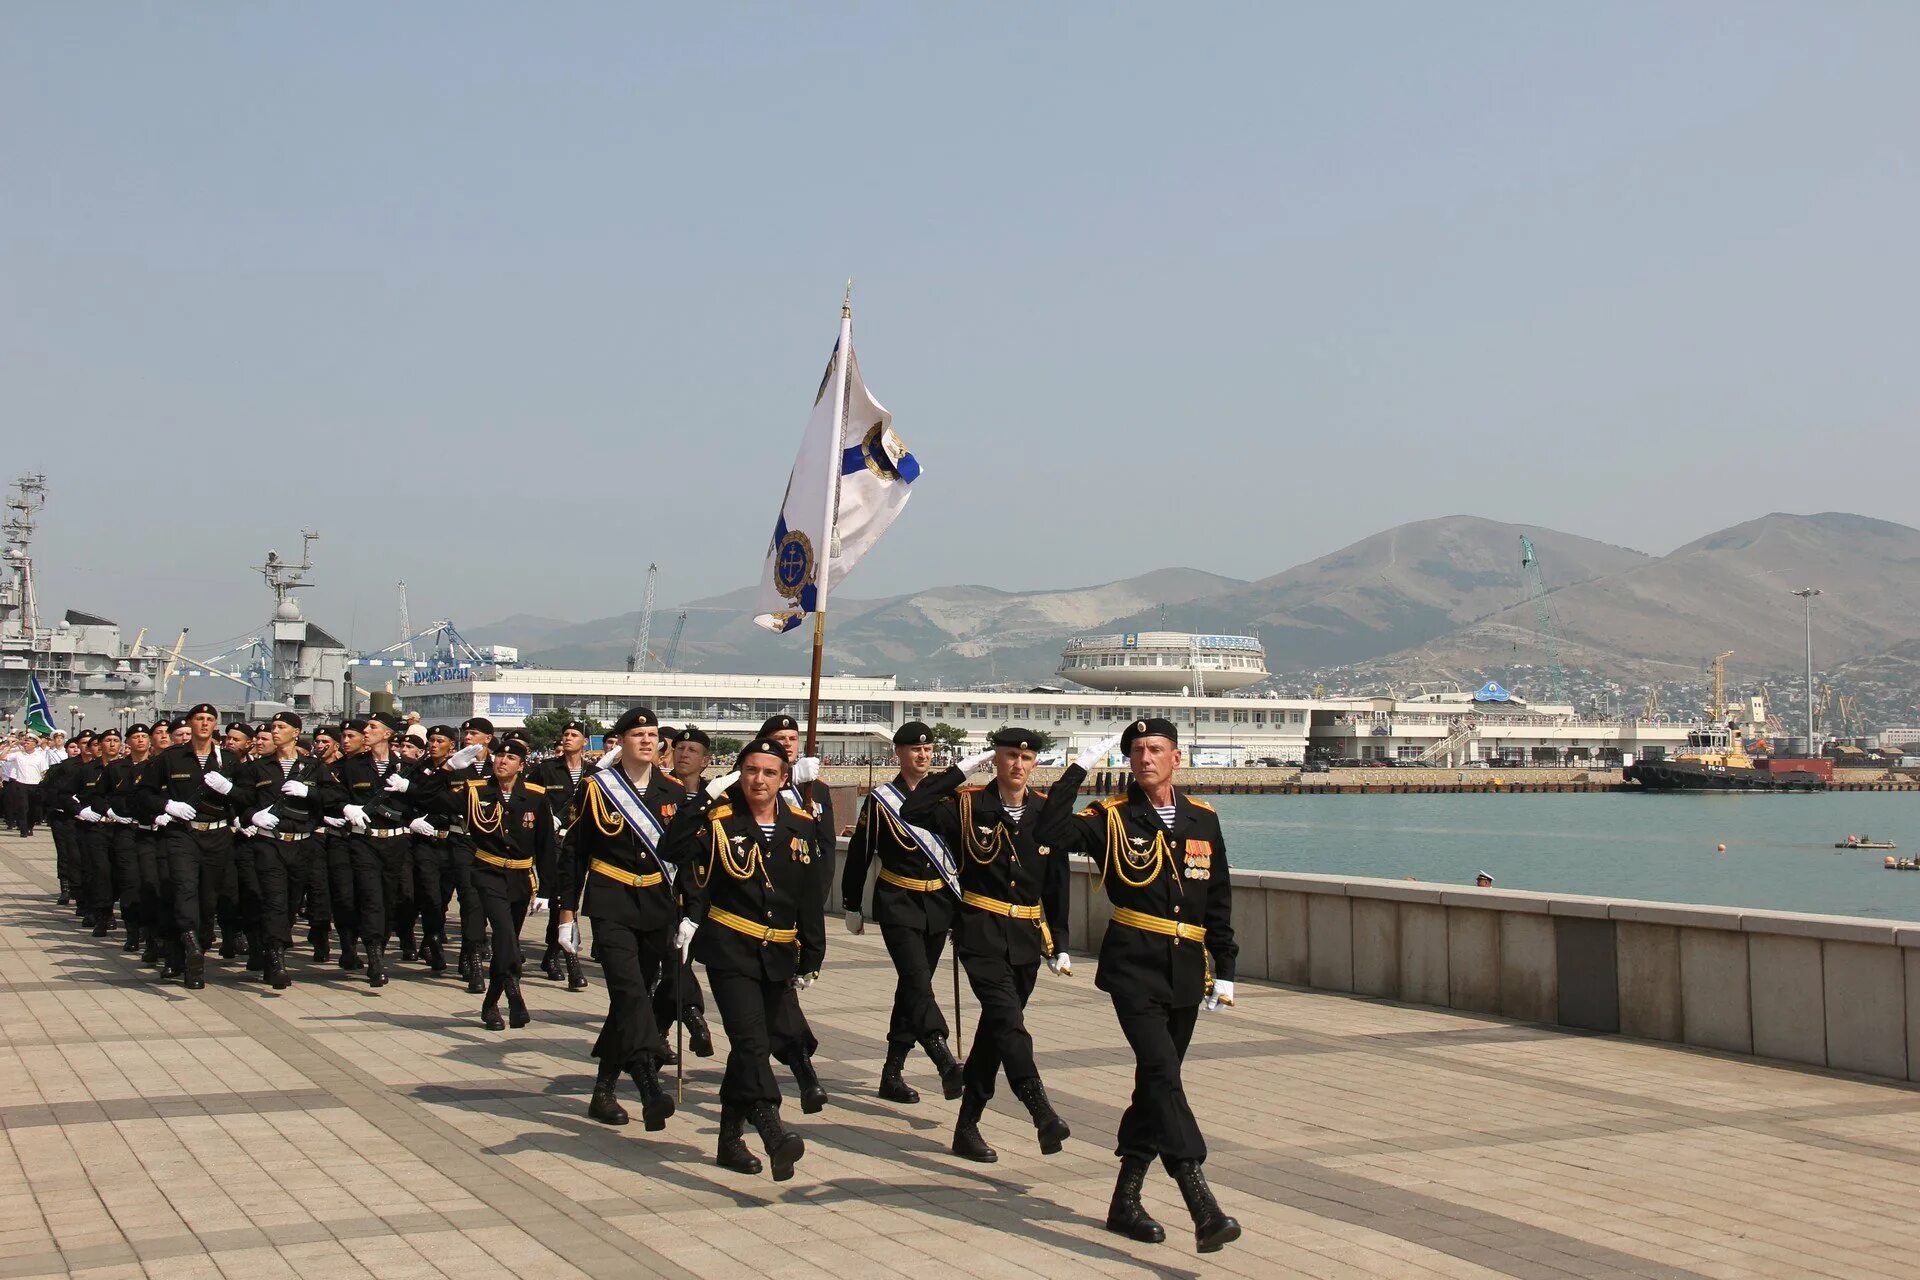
{"x":823,"y":558}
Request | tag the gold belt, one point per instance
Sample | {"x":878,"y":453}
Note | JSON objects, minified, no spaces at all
{"x":918,"y":886}
{"x":222,"y":825}
{"x":1159,"y":924}
{"x":758,"y":932}
{"x":511,"y":864}
{"x":287,"y":837}
{"x":1013,"y":911}
{"x":627,"y":878}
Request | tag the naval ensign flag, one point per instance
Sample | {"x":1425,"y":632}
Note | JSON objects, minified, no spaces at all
{"x":851,"y":479}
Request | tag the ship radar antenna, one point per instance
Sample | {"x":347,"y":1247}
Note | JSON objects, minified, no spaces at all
{"x":17,"y":592}
{"x":283,"y":577}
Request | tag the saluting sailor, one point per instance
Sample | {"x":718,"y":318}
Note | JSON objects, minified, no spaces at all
{"x":512,"y":832}
{"x":1013,"y":914}
{"x":1163,"y":862}
{"x":561,"y":774}
{"x":915,"y":906}
{"x":677,"y":995}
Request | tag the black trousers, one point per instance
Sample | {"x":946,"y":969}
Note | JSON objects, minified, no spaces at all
{"x":916,"y":959}
{"x":199,"y":863}
{"x":428,"y":885}
{"x":379,"y":868}
{"x":239,"y":909}
{"x":504,"y":896}
{"x":630,"y":961}
{"x":66,"y":852}
{"x":281,"y":868}
{"x":1158,"y":1122}
{"x":156,"y":878}
{"x":748,"y":1006}
{"x":126,"y":872}
{"x":23,"y":806}
{"x":456,"y":881}
{"x":318,"y":889}
{"x":1001,"y":1040}
{"x":793,"y":1038}
{"x":338,"y":869}
{"x":96,"y":866}
{"x":678,"y":992}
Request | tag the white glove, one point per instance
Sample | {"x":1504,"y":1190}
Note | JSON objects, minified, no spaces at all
{"x":805,"y":770}
{"x":161,"y":821}
{"x":1061,"y":964}
{"x":608,"y":758}
{"x":856,"y":923}
{"x":718,"y":787}
{"x":111,"y":816}
{"x":567,"y":937}
{"x":801,"y":981}
{"x":1099,"y":751}
{"x":295,"y":788}
{"x":463,"y":757}
{"x":217,"y":782}
{"x":419,"y":827}
{"x":266,"y":819}
{"x":88,"y":815}
{"x":556,"y":824}
{"x":539,"y":905}
{"x":397,"y":783}
{"x":975,"y":760}
{"x":182,"y":810}
{"x":1222,"y":996}
{"x":355,"y":815}
{"x":248,"y":832}
{"x":335,"y":822}
{"x":683,"y":937}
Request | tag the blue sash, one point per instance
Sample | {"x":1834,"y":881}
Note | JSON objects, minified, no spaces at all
{"x":619,"y":789}
{"x":930,"y":844}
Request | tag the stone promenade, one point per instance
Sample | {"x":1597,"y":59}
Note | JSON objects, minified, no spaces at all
{"x":333,"y":1131}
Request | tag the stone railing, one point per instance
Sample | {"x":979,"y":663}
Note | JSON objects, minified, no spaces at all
{"x":1831,"y":991}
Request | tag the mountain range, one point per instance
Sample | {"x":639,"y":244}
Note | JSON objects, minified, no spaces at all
{"x":1444,"y":598}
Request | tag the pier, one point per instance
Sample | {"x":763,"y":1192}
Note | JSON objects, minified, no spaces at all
{"x":333,"y":1131}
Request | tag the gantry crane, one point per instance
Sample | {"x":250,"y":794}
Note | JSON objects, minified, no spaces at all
{"x":637,"y":660}
{"x":1530,"y":565}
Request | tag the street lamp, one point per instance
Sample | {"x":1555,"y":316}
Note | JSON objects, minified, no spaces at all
{"x":74,"y":717}
{"x":1807,"y":594}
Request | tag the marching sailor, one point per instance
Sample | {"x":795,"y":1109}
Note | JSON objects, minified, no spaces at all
{"x":616,"y":871}
{"x":429,"y":824}
{"x":96,"y":844}
{"x":915,"y":909}
{"x":749,"y":872}
{"x":289,"y":803}
{"x":476,"y":736}
{"x":330,"y":872}
{"x":678,"y":995}
{"x":794,"y":1043}
{"x":1013,"y":914}
{"x":193,"y":787}
{"x":1168,"y":952}
{"x":511,"y":828}
{"x":376,"y":832}
{"x":560,"y":774}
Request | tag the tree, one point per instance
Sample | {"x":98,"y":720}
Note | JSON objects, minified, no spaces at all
{"x":950,"y":736}
{"x":543,"y":727}
{"x":725,"y":749}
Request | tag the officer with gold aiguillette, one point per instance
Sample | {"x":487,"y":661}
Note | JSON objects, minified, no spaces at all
{"x":1168,"y":952}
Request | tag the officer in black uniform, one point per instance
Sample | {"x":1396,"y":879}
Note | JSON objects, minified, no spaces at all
{"x":915,"y":911}
{"x":330,"y":873}
{"x":367,"y":792}
{"x":561,"y":774}
{"x":429,"y":824}
{"x":749,"y":867}
{"x":91,"y":793}
{"x":794,"y":1043}
{"x":511,"y":827}
{"x":470,"y":761}
{"x":1170,"y":946}
{"x":192,"y":787}
{"x":1013,"y":914}
{"x":608,"y":873}
{"x":678,"y":995}
{"x":127,"y":832}
{"x":56,"y":795}
{"x":291,"y":792}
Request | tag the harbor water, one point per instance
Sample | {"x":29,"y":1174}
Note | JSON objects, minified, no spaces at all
{"x":1780,"y":853}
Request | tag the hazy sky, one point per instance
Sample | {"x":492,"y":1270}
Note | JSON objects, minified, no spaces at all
{"x":471,"y":288}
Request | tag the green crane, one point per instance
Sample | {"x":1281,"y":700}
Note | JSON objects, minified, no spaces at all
{"x":1531,"y":564}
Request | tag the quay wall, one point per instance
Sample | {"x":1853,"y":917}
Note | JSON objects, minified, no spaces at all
{"x":1392,"y":781}
{"x":1826,"y":991}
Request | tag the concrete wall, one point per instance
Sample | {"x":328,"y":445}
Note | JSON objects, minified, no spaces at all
{"x":1835,"y":991}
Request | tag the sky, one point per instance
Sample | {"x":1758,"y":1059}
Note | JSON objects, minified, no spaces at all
{"x":510,"y":300}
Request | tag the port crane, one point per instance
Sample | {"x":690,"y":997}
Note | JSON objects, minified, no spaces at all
{"x":637,"y":660}
{"x":1530,"y":565}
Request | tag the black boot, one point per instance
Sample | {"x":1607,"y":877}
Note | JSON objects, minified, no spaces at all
{"x":813,"y":1094}
{"x":349,"y":951}
{"x":435,"y":948}
{"x":408,"y":950}
{"x":317,"y":935}
{"x":670,"y":1058}
{"x":174,"y":961}
{"x":953,"y":1078}
{"x":66,"y":894}
{"x":517,"y":1014}
{"x":1211,"y":1228}
{"x":470,"y":966}
{"x":656,"y":1104}
{"x":605,"y":1106}
{"x":229,"y":944}
{"x":150,"y":951}
{"x":893,"y":1087}
{"x":256,"y":952}
{"x":102,"y":922}
{"x":576,"y":980}
{"x":193,"y":966}
{"x":376,"y":964}
{"x":486,"y":952}
{"x":490,"y":1007}
{"x":133,"y":939}
{"x":967,"y":1142}
{"x":550,"y":963}
{"x":1047,"y":1124}
{"x":733,"y":1153}
{"x":277,"y":976}
{"x":699,"y":1035}
{"x":1126,"y":1216}
{"x":784,"y":1146}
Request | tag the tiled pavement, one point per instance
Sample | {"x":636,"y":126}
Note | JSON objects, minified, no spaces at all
{"x":335,"y":1131}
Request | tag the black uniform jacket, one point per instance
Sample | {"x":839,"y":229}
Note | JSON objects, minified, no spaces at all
{"x":597,"y":833}
{"x":552,"y":774}
{"x":728,"y":864}
{"x":88,"y":788}
{"x":56,"y":788}
{"x":515,"y":825}
{"x":298,"y":814}
{"x":999,"y":860}
{"x":879,"y":837}
{"x":362,"y":780}
{"x":1179,"y":875}
{"x":115,"y":790}
{"x":181,"y":776}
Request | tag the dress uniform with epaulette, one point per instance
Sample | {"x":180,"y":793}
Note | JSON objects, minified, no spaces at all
{"x":561,"y":775}
{"x":677,"y":996}
{"x":1013,"y":915}
{"x":511,"y":829}
{"x":1169,"y":946}
{"x":794,"y":1043}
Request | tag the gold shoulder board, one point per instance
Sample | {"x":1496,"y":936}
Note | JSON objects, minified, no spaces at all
{"x":720,"y":812}
{"x":798,"y":812}
{"x":534,"y":788}
{"x":1199,"y":804}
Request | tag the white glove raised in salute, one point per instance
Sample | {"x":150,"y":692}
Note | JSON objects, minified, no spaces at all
{"x":683,"y":937}
{"x":266,"y":820}
{"x":718,"y":787}
{"x":182,"y":810}
{"x":396,"y":782}
{"x":1096,"y":753}
{"x":1061,"y":964}
{"x":295,"y":788}
{"x":608,"y":758}
{"x":805,"y":770}
{"x":463,"y":757}
{"x":217,"y":782}
{"x":419,"y":827}
{"x":1220,"y":998}
{"x":975,"y":760}
{"x":856,"y":923}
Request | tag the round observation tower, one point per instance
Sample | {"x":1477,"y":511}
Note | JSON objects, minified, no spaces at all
{"x":1164,"y":662}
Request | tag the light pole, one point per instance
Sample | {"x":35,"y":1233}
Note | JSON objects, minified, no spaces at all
{"x":1807,"y":594}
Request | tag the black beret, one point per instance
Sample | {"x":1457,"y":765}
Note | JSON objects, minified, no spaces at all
{"x":912,"y":734}
{"x":513,"y":747}
{"x":442,"y":731}
{"x":109,"y":733}
{"x":355,"y":724}
{"x":206,"y":708}
{"x":479,"y":724}
{"x":137,"y":728}
{"x":575,"y":725}
{"x":388,"y":719}
{"x":86,"y":735}
{"x":242,"y":726}
{"x":779,"y":724}
{"x":1025,"y":739}
{"x":290,"y":719}
{"x":761,"y":746}
{"x":328,"y":731}
{"x":1155,"y":727}
{"x":633,"y":718}
{"x":693,"y":733}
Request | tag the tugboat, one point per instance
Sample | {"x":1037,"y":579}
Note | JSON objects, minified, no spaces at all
{"x":1716,"y":758}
